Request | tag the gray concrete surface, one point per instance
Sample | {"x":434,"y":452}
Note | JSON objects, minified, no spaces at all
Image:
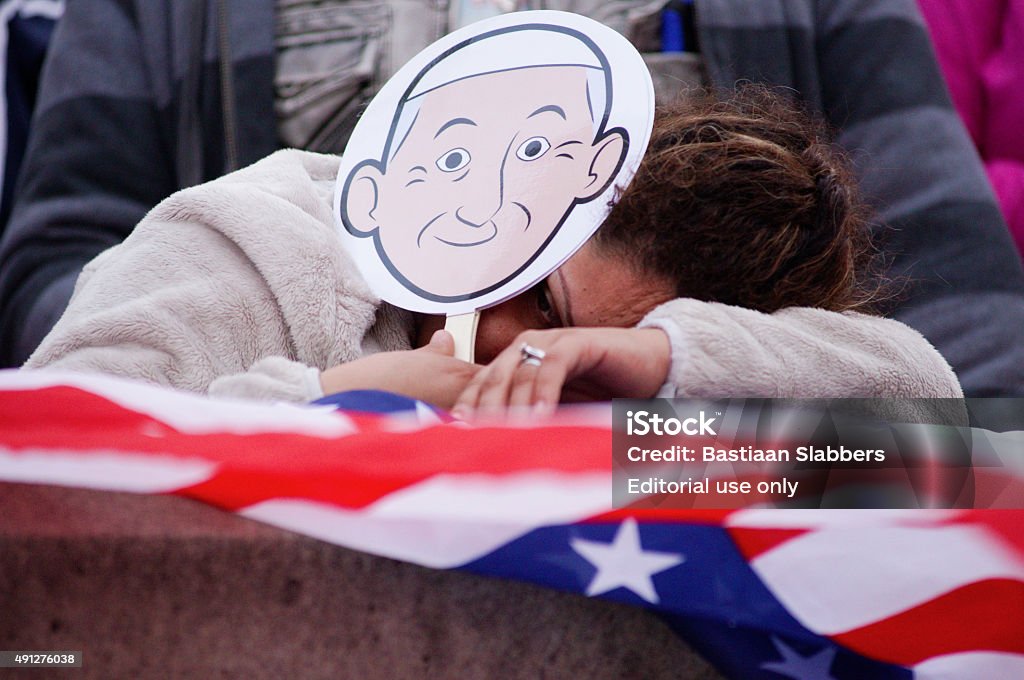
{"x":163,"y":587}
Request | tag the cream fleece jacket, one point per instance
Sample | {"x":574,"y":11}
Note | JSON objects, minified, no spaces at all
{"x":240,"y":287}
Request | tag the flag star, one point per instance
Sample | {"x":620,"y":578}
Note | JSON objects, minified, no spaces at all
{"x":624,"y":563}
{"x":793,"y":665}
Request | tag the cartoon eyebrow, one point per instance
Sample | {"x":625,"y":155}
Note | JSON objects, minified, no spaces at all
{"x":549,"y":107}
{"x":454,"y":121}
{"x":417,"y":167}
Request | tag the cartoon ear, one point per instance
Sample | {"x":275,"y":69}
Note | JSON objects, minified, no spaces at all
{"x":609,"y":153}
{"x":362,"y":191}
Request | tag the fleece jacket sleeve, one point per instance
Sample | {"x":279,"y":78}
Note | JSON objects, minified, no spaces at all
{"x":724,"y":351}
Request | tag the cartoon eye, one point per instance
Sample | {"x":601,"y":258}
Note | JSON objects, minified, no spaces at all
{"x":453,"y":160}
{"x":533,"y":148}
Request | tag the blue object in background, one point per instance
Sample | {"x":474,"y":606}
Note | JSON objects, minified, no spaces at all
{"x":672,"y":39}
{"x":25,"y":30}
{"x":677,"y":27}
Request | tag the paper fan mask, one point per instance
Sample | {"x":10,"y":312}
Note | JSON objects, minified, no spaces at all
{"x":490,"y":158}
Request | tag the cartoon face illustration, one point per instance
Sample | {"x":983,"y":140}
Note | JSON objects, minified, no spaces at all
{"x":490,"y":150}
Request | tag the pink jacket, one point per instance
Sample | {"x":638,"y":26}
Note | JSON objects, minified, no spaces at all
{"x":980,"y":45}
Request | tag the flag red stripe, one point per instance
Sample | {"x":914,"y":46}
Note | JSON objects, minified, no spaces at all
{"x":666,"y":515}
{"x":756,"y":541}
{"x":375,"y":462}
{"x":988,"y":615}
{"x":359,"y":469}
{"x":67,"y":417}
{"x":1008,"y":525}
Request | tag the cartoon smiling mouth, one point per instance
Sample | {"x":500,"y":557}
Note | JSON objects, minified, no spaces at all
{"x":494,"y":232}
{"x":476,"y":235}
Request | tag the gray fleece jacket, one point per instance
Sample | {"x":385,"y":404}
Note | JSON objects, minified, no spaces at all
{"x":240,"y":287}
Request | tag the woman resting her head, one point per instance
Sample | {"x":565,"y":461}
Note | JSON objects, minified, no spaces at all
{"x":745,"y":203}
{"x":737,"y":263}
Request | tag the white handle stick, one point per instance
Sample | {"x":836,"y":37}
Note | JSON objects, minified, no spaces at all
{"x":463,"y":329}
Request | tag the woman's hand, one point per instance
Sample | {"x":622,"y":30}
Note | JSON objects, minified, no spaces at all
{"x":580,"y":364}
{"x":429,"y":373}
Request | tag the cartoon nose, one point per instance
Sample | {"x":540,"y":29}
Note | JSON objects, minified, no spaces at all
{"x":482,"y":203}
{"x":482,"y":200}
{"x":474,"y":217}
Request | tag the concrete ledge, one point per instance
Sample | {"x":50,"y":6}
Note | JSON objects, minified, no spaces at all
{"x":155,"y":586}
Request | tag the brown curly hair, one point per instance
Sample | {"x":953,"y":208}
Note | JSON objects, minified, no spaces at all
{"x":743,"y":200}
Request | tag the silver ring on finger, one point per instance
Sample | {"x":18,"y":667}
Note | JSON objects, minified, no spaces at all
{"x":530,"y":355}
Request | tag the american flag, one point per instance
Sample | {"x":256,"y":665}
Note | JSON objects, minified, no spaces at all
{"x":761,"y":593}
